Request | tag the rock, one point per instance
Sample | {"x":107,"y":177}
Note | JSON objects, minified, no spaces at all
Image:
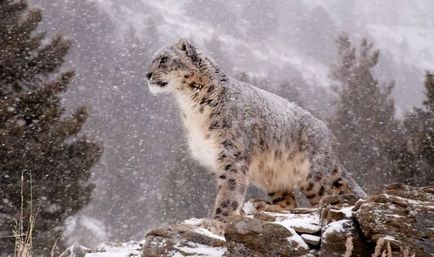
{"x":396,"y":222}
{"x":114,"y":249}
{"x":334,"y":208}
{"x":250,"y":237}
{"x":302,"y":223}
{"x":341,"y":238}
{"x":311,"y":239}
{"x":75,"y":250}
{"x":183,"y":239}
{"x":402,"y":217}
{"x":264,"y":216}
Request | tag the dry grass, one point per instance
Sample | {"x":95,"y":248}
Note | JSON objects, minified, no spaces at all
{"x":348,"y":246}
{"x":383,"y":248}
{"x":23,"y":236}
{"x":53,"y":249}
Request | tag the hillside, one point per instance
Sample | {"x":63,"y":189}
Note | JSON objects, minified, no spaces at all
{"x":290,"y":37}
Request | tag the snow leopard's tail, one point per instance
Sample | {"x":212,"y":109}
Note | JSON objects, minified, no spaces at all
{"x":357,"y":190}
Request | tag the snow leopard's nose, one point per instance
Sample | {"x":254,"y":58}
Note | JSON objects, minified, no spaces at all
{"x":149,"y":75}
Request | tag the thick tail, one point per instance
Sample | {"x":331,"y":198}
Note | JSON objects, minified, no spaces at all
{"x":354,"y":187}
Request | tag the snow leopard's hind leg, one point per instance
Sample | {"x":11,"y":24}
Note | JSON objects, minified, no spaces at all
{"x":327,"y":177}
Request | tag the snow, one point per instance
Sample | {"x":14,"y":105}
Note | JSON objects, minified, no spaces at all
{"x":277,"y":54}
{"x":333,"y":227}
{"x":420,"y":42}
{"x":52,"y":208}
{"x":193,"y":221}
{"x":208,"y":233}
{"x":411,"y":201}
{"x":74,"y":247}
{"x":303,"y":222}
{"x":258,"y":56}
{"x":91,"y":225}
{"x":412,"y":27}
{"x":312,"y":238}
{"x":195,"y":249}
{"x":248,"y":208}
{"x":21,"y":122}
{"x":389,"y":238}
{"x":348,"y":211}
{"x":297,"y":238}
{"x":203,"y":231}
{"x":130,"y":249}
{"x":294,"y":223}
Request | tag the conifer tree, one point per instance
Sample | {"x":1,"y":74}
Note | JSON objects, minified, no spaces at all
{"x":364,"y":124}
{"x":416,"y":157}
{"x":38,"y":140}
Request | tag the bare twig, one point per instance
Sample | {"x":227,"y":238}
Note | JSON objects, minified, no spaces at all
{"x":23,"y":241}
{"x":53,"y":249}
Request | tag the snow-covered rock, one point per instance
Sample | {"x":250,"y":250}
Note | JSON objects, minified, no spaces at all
{"x":402,"y":217}
{"x":110,"y":249}
{"x":75,"y":250}
{"x":397,"y":222}
{"x":252,"y":237}
{"x":185,"y":239}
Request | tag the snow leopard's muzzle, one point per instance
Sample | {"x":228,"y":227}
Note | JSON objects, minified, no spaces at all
{"x":155,"y":82}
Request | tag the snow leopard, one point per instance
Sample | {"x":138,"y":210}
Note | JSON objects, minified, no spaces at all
{"x":245,"y":135}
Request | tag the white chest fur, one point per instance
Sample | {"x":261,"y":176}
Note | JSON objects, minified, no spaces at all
{"x":203,"y":147}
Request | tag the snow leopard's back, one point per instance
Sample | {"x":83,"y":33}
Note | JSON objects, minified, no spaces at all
{"x":282,"y":136}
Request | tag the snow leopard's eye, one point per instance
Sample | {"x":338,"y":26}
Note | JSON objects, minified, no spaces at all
{"x":164,"y":59}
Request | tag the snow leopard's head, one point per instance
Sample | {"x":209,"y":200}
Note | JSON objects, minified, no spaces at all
{"x":171,"y":66}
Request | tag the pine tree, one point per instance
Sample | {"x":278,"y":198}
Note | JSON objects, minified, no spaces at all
{"x":416,"y":157}
{"x":364,"y":124}
{"x":38,"y":140}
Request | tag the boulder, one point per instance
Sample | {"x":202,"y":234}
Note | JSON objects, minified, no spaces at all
{"x":342,"y":238}
{"x":251,"y":237}
{"x":339,"y":233}
{"x":400,"y":218}
{"x":184,"y":240}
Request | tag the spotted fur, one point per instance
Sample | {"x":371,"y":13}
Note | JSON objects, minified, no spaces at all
{"x":247,"y":135}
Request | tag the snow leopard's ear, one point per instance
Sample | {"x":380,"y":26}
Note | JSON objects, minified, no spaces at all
{"x":188,"y":48}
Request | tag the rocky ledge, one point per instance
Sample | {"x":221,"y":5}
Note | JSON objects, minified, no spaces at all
{"x":396,"y":222}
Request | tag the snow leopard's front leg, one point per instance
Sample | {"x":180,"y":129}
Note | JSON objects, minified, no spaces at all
{"x":232,"y":180}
